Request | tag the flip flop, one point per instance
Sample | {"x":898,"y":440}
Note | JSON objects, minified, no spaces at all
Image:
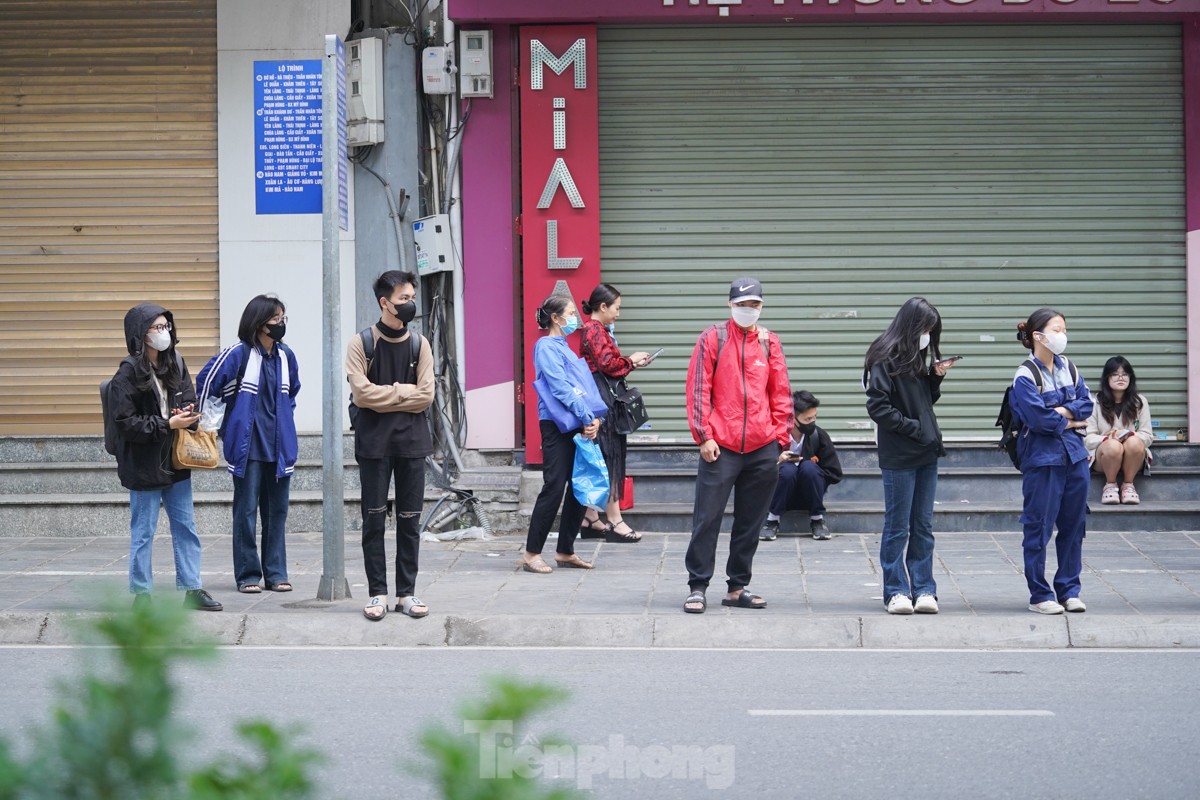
{"x":408,"y":607}
{"x":538,"y":566}
{"x":282,"y":586}
{"x":250,"y":588}
{"x":575,"y":563}
{"x":745,"y":600}
{"x":695,"y":597}
{"x":377,"y":608}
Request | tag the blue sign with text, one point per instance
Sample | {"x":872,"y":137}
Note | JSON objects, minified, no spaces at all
{"x":287,"y":137}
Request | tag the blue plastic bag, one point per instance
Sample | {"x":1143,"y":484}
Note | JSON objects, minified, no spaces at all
{"x":589,"y":479}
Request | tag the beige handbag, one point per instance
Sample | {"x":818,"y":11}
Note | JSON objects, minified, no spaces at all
{"x":194,"y":449}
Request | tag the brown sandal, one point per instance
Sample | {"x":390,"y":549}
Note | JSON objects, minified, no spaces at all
{"x":538,"y":566}
{"x":574,"y":562}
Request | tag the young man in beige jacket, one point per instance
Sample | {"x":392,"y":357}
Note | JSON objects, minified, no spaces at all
{"x":390,"y":388}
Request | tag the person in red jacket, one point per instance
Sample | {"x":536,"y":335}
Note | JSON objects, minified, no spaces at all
{"x":739,"y":408}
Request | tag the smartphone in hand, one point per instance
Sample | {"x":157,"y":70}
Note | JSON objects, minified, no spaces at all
{"x":947,"y":361}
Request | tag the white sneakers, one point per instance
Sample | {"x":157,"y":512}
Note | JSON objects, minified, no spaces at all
{"x":926,"y":604}
{"x":899,"y":604}
{"x":1074,"y":605}
{"x":1047,"y":607}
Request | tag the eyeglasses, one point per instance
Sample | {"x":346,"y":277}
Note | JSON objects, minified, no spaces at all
{"x":1121,"y":376}
{"x":278,"y":321}
{"x":163,"y":328}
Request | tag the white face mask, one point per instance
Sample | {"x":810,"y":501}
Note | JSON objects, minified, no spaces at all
{"x":1055,"y":342}
{"x":924,"y":341}
{"x":159,"y":340}
{"x":744,"y":316}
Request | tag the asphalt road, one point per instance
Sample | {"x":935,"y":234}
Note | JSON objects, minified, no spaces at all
{"x":712,"y":723}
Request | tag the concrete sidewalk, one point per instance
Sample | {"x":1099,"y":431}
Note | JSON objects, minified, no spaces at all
{"x":1142,"y":590}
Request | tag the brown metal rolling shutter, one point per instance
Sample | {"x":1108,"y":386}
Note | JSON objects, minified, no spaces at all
{"x":108,"y":194}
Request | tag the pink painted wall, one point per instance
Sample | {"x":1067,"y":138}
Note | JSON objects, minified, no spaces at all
{"x":488,"y":184}
{"x":1191,"y":139}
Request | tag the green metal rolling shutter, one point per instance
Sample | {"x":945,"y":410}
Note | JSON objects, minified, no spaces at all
{"x":992,"y":169}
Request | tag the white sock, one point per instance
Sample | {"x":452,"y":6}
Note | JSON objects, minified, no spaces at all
{"x":772,"y":517}
{"x":820,"y":518}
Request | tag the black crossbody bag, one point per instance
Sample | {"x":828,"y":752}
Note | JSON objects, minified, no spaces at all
{"x":628,"y":410}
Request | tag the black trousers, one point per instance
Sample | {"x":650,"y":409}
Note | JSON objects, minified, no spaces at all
{"x":375,"y":474}
{"x":751,"y":477}
{"x":558,"y":461}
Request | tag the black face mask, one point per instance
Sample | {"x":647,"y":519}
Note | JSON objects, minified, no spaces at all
{"x":276,"y":332}
{"x":806,"y":427}
{"x":405,"y":312}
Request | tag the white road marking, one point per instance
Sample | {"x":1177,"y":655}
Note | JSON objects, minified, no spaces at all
{"x":898,"y":712}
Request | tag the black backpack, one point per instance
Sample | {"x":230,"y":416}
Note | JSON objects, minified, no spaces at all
{"x":1011,"y":427}
{"x":368,"y":343}
{"x":110,"y":425}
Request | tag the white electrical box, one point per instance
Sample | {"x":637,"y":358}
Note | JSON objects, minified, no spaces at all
{"x":475,"y":63}
{"x":364,"y":92}
{"x":437,"y":70}
{"x":431,"y":236}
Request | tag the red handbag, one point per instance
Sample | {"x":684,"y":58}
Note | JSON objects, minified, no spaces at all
{"x":626,"y":501}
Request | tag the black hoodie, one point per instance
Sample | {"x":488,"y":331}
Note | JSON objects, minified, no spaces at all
{"x":144,"y":436}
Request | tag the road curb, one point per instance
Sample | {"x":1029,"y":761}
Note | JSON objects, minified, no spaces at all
{"x":337,"y":627}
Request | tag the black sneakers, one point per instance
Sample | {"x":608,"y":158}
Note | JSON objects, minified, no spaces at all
{"x":200,"y":600}
{"x":770,"y":531}
{"x":820,"y":530}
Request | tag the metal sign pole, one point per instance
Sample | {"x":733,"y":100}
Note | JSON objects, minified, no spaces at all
{"x":334,"y":585}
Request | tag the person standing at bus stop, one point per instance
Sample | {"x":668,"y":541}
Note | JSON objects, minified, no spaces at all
{"x":739,"y":409}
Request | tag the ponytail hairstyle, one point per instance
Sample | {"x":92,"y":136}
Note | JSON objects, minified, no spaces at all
{"x":1131,"y":404}
{"x":898,"y":345}
{"x":554,"y":304}
{"x":1036,"y":323}
{"x":605,"y":294}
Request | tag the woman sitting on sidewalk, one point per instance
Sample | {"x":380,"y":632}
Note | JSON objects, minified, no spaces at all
{"x":1118,"y":432}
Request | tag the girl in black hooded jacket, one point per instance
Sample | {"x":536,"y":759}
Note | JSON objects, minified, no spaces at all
{"x":903,"y":374}
{"x":150,"y":397}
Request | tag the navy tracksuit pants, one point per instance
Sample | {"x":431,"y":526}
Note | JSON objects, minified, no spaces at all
{"x":1055,"y":495}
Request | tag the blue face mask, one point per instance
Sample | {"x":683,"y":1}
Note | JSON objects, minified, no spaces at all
{"x":570,"y":326}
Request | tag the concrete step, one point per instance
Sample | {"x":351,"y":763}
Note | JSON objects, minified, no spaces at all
{"x":99,"y":477}
{"x":863,"y":456}
{"x":107,"y":514}
{"x":866,"y":517}
{"x":676,"y":484}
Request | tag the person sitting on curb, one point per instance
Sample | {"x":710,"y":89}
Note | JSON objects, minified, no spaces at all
{"x":806,"y":469}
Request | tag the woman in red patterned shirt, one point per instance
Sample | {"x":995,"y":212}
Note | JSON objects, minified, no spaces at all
{"x":599,"y":349}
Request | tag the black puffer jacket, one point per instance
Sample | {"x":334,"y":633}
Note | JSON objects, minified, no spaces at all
{"x":902,"y":407}
{"x":144,"y":437}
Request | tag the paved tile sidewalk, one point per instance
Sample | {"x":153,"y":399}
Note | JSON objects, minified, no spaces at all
{"x":1144,"y":581}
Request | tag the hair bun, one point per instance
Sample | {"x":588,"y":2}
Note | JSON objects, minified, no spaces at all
{"x":585,"y":306}
{"x":542,"y":318}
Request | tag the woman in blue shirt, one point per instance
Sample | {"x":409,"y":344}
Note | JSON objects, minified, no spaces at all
{"x":259,"y":379}
{"x":555,"y":363}
{"x":1054,"y":460}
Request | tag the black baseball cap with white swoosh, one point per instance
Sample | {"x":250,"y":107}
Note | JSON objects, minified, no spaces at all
{"x":745,"y":289}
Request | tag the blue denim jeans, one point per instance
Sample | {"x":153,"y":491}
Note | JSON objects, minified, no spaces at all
{"x":176,"y":499}
{"x":906,"y":549}
{"x":258,"y":493}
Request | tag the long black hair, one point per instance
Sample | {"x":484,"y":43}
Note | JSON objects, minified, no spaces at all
{"x":1127,"y":410}
{"x":554,"y":304}
{"x":1036,"y":323}
{"x":898,"y":346}
{"x":605,"y":294}
{"x":258,"y":312}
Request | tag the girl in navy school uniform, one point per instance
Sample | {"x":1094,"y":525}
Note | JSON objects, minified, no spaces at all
{"x":1054,"y":461}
